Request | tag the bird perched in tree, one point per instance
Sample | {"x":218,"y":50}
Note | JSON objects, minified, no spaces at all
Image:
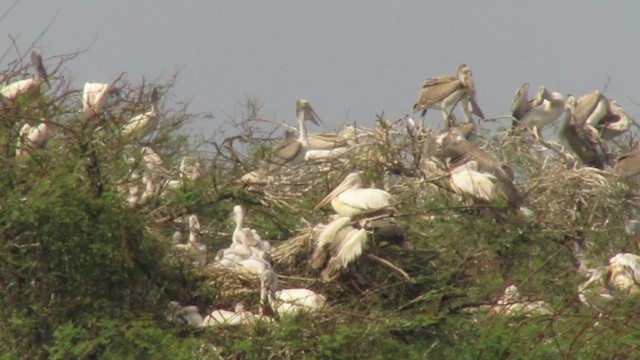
{"x":442,"y":92}
{"x":545,"y":108}
{"x":349,"y":198}
{"x":601,"y":117}
{"x":467,"y":181}
{"x":33,"y":137}
{"x":96,"y":95}
{"x":30,"y":87}
{"x":288,"y":301}
{"x":142,"y":125}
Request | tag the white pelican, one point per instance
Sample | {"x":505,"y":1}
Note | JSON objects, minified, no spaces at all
{"x":95,"y":96}
{"x":142,"y":125}
{"x":443,"y":91}
{"x":292,"y":151}
{"x":288,"y":301}
{"x":512,"y":304}
{"x":624,"y":272}
{"x":188,"y":315}
{"x":350,"y":199}
{"x":467,"y":181}
{"x":28,"y":86}
{"x":32,"y":137}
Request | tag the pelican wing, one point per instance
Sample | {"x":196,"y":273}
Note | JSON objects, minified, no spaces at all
{"x":352,"y":246}
{"x":366,"y":199}
{"x":285,"y":152}
{"x":326,"y":236}
{"x":436,"y":89}
{"x":586,"y":105}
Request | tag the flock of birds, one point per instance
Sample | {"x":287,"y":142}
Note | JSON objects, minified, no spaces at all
{"x":468,"y":170}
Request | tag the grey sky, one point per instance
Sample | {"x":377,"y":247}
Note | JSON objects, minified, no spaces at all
{"x":350,"y":59}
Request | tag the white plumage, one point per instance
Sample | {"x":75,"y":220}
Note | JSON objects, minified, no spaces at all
{"x":142,"y":125}
{"x":288,"y":301}
{"x":32,"y":137}
{"x":624,"y":272}
{"x":188,"y":315}
{"x":350,"y":199}
{"x":28,"y":86}
{"x":467,"y":181}
{"x":94,"y":97}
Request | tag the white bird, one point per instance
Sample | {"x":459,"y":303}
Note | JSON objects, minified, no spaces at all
{"x":243,"y":235}
{"x":194,"y":250}
{"x":288,"y":301}
{"x":467,"y":181}
{"x":350,"y":199}
{"x":290,"y":152}
{"x":624,"y":272}
{"x":512,"y":304}
{"x":338,"y":244}
{"x":190,"y":168}
{"x":32,"y":137}
{"x":225,"y":317}
{"x":31,"y":86}
{"x":95,"y":96}
{"x":546,"y":108}
{"x":188,"y":315}
{"x":142,"y":125}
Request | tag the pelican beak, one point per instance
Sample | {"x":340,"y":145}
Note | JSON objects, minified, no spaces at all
{"x":36,"y":60}
{"x":344,"y":185}
{"x":310,"y":115}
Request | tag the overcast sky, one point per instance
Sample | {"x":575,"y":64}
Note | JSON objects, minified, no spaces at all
{"x":351,"y":59}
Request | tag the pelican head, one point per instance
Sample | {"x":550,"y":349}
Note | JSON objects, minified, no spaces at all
{"x":464,"y":74}
{"x":351,"y":181}
{"x":305,"y":111}
{"x":40,"y":71}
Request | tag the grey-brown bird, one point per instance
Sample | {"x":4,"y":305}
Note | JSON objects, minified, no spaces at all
{"x":578,"y":140}
{"x":628,"y":165}
{"x":443,"y":92}
{"x":291,"y":151}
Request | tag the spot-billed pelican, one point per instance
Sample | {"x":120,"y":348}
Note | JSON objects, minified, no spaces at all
{"x":541,"y":111}
{"x":350,"y":199}
{"x":292,"y":151}
{"x":624,"y":272}
{"x":628,"y":165}
{"x":454,"y":149}
{"x":467,"y":181}
{"x":28,"y":86}
{"x":340,"y":243}
{"x":188,"y":315}
{"x":95,"y":96}
{"x":575,"y":135}
{"x":142,"y":125}
{"x":243,"y":235}
{"x":288,"y":301}
{"x":590,"y":109}
{"x":194,"y":249}
{"x":512,"y":304}
{"x":225,"y":317}
{"x":33,"y":137}
{"x":442,"y":92}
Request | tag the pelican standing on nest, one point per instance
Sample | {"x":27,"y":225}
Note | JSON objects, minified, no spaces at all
{"x":142,"y":125}
{"x":288,"y":301}
{"x":28,"y":86}
{"x":95,"y":96}
{"x":350,"y":199}
{"x":442,"y":92}
{"x":292,"y":151}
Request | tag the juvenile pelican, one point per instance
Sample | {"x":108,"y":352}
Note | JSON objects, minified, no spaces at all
{"x":194,"y":249}
{"x":467,"y":181}
{"x":243,"y":235}
{"x":442,"y":92}
{"x":292,"y":151}
{"x":512,"y":304}
{"x":142,"y":125}
{"x":578,"y":140}
{"x":188,"y":315}
{"x":28,"y":86}
{"x":541,"y":111}
{"x":32,"y":137}
{"x":350,"y":199}
{"x":288,"y":301}
{"x":95,"y":96}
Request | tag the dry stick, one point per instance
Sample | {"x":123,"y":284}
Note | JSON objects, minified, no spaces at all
{"x":396,"y":270}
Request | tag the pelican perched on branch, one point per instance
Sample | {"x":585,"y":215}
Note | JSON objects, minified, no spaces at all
{"x":442,"y":92}
{"x":350,"y":199}
{"x":292,"y":151}
{"x":142,"y":125}
{"x":28,"y":86}
{"x":288,"y":301}
{"x":32,"y":137}
{"x":337,"y":245}
{"x":95,"y":96}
